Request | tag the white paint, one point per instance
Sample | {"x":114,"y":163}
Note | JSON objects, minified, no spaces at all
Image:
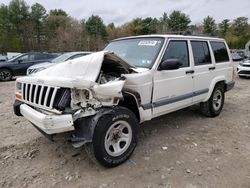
{"x":151,"y":85}
{"x":50,"y":124}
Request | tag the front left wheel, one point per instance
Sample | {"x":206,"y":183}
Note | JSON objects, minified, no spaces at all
{"x":5,"y":75}
{"x":115,"y":137}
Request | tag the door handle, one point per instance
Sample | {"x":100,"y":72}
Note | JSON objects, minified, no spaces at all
{"x":211,"y":68}
{"x":190,"y":72}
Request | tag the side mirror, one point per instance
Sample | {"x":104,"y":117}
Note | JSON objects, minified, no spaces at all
{"x":170,"y":64}
{"x":19,"y":61}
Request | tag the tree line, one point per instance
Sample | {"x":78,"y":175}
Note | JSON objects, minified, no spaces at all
{"x":33,"y":28}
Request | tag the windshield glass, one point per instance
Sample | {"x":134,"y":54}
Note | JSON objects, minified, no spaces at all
{"x":15,"y":57}
{"x":62,"y":58}
{"x":140,"y":52}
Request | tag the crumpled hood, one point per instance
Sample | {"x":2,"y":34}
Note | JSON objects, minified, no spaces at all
{"x":80,"y":73}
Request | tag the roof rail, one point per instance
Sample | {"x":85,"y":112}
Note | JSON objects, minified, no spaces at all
{"x":189,"y":33}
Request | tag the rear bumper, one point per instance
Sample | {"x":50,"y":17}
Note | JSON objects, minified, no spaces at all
{"x":230,"y":85}
{"x":50,"y":124}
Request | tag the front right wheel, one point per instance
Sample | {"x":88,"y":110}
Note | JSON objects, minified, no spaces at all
{"x":115,"y":137}
{"x":214,"y":105}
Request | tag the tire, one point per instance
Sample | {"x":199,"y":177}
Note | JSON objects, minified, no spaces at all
{"x":5,"y":75}
{"x":115,"y":137}
{"x":214,"y":105}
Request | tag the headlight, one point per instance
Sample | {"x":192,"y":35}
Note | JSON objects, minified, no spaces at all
{"x":18,"y":86}
{"x":19,"y":95}
{"x":32,"y":71}
{"x":39,"y":69}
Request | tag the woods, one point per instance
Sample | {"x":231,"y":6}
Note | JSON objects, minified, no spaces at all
{"x":26,"y":27}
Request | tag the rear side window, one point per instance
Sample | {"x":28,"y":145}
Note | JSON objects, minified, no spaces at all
{"x":201,"y":53}
{"x":220,"y":52}
{"x":177,"y":50}
{"x":40,"y":56}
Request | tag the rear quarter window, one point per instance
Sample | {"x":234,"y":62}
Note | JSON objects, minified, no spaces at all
{"x":220,"y":52}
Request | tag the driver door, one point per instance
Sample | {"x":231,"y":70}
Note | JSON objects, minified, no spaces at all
{"x":173,"y":89}
{"x":23,"y":63}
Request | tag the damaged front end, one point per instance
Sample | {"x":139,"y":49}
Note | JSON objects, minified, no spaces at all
{"x":72,"y":95}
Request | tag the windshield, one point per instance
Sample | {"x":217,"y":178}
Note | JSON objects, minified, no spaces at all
{"x":62,"y":58}
{"x":15,"y":57}
{"x":140,"y":52}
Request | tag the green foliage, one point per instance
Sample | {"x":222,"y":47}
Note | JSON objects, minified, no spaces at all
{"x":97,"y":31}
{"x":141,"y":26}
{"x":4,"y":28}
{"x":240,"y":26}
{"x":209,"y":26}
{"x":163,"y":23}
{"x":95,"y":26}
{"x":177,"y":21}
{"x":58,"y":12}
{"x":224,"y":27}
{"x":38,"y":15}
{"x":18,"y":12}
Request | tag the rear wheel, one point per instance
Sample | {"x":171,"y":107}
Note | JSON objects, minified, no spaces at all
{"x":5,"y":75}
{"x":214,"y":105}
{"x":115,"y":137}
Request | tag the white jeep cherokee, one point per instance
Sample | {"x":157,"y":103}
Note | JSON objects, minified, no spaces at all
{"x":101,"y":98}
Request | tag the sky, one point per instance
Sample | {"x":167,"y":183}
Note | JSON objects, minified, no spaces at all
{"x":122,"y":11}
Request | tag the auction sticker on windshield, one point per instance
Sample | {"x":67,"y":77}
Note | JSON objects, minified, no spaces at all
{"x":147,"y":43}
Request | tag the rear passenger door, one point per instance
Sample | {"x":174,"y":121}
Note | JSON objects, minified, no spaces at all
{"x":203,"y":69}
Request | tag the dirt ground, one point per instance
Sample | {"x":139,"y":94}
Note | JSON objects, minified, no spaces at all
{"x":182,"y":149}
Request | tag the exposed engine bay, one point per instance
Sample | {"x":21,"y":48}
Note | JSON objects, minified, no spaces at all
{"x":105,"y":93}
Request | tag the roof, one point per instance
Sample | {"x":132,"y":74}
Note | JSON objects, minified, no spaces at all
{"x":78,"y":52}
{"x":173,"y":36}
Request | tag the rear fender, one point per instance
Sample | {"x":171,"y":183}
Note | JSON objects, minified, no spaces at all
{"x":212,"y":85}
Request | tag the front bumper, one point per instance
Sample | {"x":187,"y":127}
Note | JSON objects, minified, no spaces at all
{"x":243,"y":71}
{"x":50,"y":124}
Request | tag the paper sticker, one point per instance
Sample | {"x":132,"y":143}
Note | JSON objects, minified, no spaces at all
{"x":147,"y":43}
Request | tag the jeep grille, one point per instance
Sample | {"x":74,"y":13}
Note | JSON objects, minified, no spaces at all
{"x":39,"y":95}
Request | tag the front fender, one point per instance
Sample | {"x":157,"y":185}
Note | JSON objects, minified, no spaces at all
{"x":212,"y":85}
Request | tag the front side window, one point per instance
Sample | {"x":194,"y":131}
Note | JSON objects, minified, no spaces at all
{"x":220,"y":52}
{"x":177,"y":50}
{"x":201,"y":53}
{"x":139,"y":52}
{"x":27,"y":57}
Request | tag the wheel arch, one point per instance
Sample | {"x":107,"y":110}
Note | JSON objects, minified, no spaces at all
{"x":131,"y":101}
{"x":1,"y":68}
{"x":215,"y":81}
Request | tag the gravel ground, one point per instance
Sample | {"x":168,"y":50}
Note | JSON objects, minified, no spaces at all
{"x":181,"y":149}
